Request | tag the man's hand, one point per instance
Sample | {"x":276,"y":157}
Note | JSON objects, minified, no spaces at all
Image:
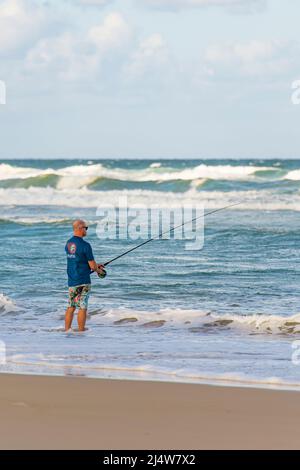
{"x":96,"y":267}
{"x":101,"y":270}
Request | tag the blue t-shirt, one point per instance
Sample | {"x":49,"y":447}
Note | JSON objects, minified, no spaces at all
{"x":79,"y":253}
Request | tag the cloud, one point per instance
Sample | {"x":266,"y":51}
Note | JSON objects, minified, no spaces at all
{"x":59,"y":55}
{"x":21,"y":22}
{"x":112,"y":33}
{"x":247,"y":52}
{"x":74,"y":56}
{"x":96,"y":3}
{"x":235,"y":6}
{"x":254,"y":58}
{"x":152,"y":54}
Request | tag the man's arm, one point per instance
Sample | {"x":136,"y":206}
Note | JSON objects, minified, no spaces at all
{"x":96,"y":267}
{"x":90,"y":258}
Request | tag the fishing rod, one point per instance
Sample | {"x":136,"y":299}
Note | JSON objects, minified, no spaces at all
{"x":164,"y":233}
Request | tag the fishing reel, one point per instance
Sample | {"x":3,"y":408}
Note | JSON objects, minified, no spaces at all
{"x":102,"y":274}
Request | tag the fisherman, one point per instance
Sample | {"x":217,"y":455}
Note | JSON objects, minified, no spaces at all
{"x":81,"y":264}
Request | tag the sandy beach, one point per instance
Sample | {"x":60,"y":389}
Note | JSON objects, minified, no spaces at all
{"x":39,"y":412}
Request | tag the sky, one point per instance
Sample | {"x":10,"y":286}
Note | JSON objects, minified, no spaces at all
{"x":149,"y":78}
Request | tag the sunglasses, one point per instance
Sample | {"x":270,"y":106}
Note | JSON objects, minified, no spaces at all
{"x":86,"y":228}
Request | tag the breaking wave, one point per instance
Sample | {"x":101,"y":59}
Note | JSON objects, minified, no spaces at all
{"x":78,"y":176}
{"x":87,"y":198}
{"x":7,"y":305}
{"x":197,"y":321}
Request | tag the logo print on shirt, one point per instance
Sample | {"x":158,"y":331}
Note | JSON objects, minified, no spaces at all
{"x":72,"y":248}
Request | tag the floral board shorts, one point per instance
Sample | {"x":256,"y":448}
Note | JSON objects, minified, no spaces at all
{"x":79,"y":296}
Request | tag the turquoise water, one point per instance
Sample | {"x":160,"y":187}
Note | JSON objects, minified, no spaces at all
{"x":227,"y":313}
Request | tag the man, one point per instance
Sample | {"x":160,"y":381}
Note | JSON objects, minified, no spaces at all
{"x":80,"y":265}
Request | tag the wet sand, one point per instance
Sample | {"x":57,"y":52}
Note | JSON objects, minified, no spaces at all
{"x":39,"y":412}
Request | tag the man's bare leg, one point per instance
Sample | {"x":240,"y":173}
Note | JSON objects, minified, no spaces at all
{"x":69,"y":318}
{"x":81,"y":319}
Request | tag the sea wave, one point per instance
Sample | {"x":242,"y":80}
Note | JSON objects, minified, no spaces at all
{"x":200,"y":322}
{"x":36,"y":220}
{"x":78,"y":176}
{"x":42,"y":364}
{"x":293,"y":175}
{"x":7,"y":305}
{"x":85,"y":198}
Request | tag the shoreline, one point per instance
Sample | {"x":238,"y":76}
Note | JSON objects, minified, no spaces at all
{"x":251,"y":383}
{"x":50,"y":412}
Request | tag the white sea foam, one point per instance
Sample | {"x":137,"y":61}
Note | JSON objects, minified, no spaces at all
{"x":199,"y":321}
{"x":57,"y":365}
{"x":12,"y":172}
{"x":80,"y":175}
{"x":7,"y":305}
{"x":84,"y":198}
{"x":38,"y":219}
{"x":293,"y":175}
{"x":155,"y":165}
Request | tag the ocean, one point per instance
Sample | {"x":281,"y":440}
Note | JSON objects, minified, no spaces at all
{"x":226,"y":314}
